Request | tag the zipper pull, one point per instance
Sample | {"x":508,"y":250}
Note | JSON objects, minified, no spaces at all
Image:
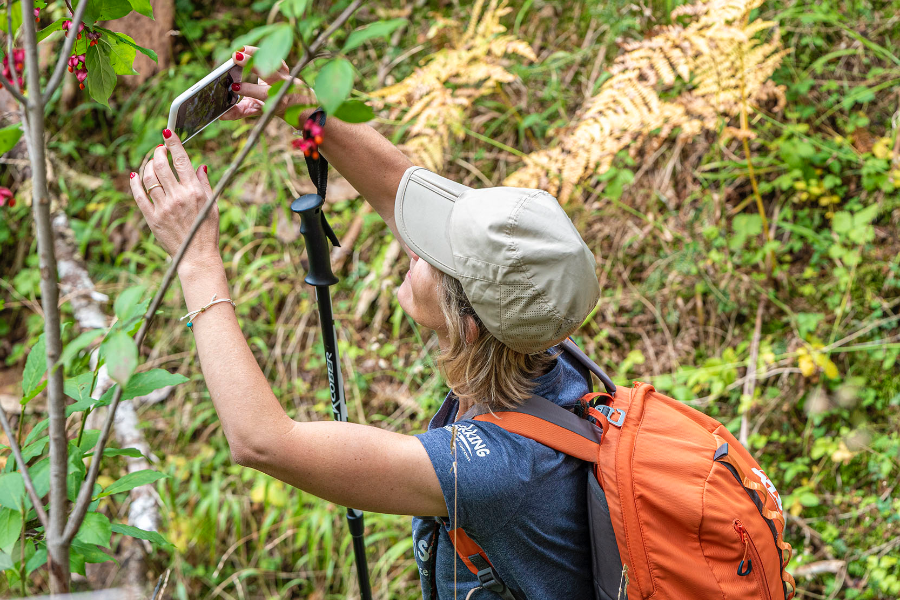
{"x":745,"y":540}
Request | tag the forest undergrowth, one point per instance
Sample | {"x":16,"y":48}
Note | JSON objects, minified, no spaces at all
{"x":765,"y":292}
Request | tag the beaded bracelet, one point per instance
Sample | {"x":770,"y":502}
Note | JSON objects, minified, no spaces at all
{"x":194,"y":313}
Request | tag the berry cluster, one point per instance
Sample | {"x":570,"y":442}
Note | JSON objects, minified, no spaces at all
{"x":312,"y":137}
{"x":37,"y":15}
{"x":93,"y":36}
{"x":18,"y":63}
{"x":68,"y":25}
{"x":77,"y":66}
{"x":6,"y":198}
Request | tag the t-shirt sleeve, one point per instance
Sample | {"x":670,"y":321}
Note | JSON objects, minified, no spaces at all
{"x":493,"y":469}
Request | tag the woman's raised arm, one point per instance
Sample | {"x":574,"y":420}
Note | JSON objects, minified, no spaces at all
{"x":366,"y":159}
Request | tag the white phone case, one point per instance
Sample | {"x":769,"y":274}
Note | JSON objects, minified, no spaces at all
{"x":189,"y":93}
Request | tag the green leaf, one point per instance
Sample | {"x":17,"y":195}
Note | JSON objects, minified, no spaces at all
{"x":84,"y":340}
{"x":9,"y":136}
{"x":131,"y":481}
{"x":10,"y":526}
{"x":89,"y":440}
{"x":127,"y":39}
{"x":40,"y":476}
{"x":842,"y":222}
{"x":274,"y":49}
{"x":254,"y":35}
{"x":79,"y":388}
{"x":34,"y":449}
{"x":39,"y":559}
{"x":143,"y":7}
{"x":121,"y":56}
{"x":16,"y":18}
{"x":131,"y":452}
{"x":379,"y":29}
{"x":334,"y":83}
{"x":46,"y":31}
{"x":101,"y":79}
{"x":95,"y":529}
{"x":134,"y":532}
{"x":145,"y":382}
{"x":128,"y":303}
{"x":354,"y":111}
{"x":294,"y":8}
{"x":121,"y":357}
{"x":90,"y":553}
{"x":105,"y":10}
{"x":292,"y":114}
{"x":35,"y":367}
{"x":12,"y":491}
{"x":6,"y":561}
{"x":37,"y":430}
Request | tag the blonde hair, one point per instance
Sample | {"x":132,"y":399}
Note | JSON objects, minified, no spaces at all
{"x":485,"y":371}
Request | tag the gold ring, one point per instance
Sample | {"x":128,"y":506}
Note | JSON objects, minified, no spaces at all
{"x":153,"y":186}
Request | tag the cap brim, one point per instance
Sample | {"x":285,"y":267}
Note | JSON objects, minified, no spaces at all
{"x":422,"y":211}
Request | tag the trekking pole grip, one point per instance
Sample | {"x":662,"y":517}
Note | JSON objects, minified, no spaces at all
{"x":317,"y":233}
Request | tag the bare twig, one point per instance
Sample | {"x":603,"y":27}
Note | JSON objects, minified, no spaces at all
{"x":750,"y":383}
{"x":85,"y":493}
{"x":60,"y":69}
{"x":10,"y":86}
{"x":29,"y":485}
{"x":57,"y":549}
{"x":12,"y":90}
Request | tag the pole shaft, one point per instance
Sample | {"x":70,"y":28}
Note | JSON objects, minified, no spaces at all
{"x":355,"y":518}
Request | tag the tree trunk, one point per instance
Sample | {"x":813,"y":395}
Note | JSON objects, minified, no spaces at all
{"x":150,"y":33}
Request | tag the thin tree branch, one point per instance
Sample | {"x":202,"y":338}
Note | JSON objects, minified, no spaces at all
{"x":10,"y":86}
{"x":60,"y":69}
{"x":13,"y":91}
{"x":86,"y":491}
{"x":29,"y":485}
{"x":57,"y":550}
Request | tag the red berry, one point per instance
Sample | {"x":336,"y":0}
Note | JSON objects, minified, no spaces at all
{"x":80,"y":86}
{"x":318,"y":139}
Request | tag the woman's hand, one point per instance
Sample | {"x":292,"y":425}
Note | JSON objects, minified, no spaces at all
{"x":255,"y":94}
{"x":171,"y":204}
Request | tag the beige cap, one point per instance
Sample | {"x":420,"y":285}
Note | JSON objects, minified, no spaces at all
{"x":525,"y":269}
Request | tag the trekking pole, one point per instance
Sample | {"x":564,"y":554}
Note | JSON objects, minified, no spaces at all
{"x":317,"y":234}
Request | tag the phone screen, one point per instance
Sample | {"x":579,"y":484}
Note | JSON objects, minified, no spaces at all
{"x":207,"y":105}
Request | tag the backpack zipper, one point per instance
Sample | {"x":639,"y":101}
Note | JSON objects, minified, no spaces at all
{"x":751,"y":556}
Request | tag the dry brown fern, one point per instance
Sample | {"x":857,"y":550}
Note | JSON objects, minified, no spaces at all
{"x":472,"y":65}
{"x":717,"y":57}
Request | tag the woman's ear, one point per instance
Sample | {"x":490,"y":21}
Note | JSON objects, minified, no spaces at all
{"x":471,"y":330}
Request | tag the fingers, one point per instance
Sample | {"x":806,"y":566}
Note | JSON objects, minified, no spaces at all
{"x":259,"y":91}
{"x":162,"y":171}
{"x":140,"y":196}
{"x":203,"y":177}
{"x":242,"y":57}
{"x":180,"y":159}
{"x":247,"y":107}
{"x":152,"y":185}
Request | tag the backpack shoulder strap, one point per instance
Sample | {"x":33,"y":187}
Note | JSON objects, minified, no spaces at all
{"x":551,"y":425}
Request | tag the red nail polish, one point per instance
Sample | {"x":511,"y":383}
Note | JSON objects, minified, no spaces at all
{"x":235,"y":87}
{"x":238,"y":56}
{"x":161,"y":145}
{"x":133,"y":175}
{"x":167,"y":133}
{"x":204,"y":169}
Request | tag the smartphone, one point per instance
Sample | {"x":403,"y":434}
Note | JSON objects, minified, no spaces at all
{"x":205,"y":101}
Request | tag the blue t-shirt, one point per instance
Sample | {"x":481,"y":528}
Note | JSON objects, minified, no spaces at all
{"x":522,"y":502}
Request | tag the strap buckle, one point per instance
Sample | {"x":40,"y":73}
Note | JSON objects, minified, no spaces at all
{"x":491,"y":581}
{"x":607,"y":411}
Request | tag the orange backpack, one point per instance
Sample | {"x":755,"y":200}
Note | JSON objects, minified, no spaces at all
{"x":692,"y":514}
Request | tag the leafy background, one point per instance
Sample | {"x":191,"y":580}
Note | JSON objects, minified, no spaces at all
{"x":681,"y":250}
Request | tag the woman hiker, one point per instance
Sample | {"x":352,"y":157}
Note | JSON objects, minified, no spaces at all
{"x":502,"y":276}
